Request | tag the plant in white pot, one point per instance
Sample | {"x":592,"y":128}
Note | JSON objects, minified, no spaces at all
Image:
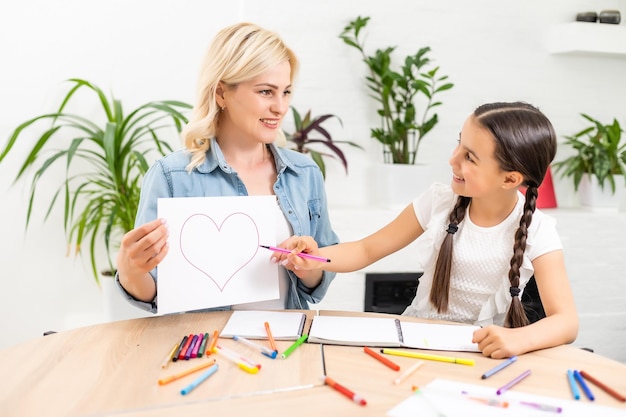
{"x":406,"y":97}
{"x":399,"y":93}
{"x":104,"y":156}
{"x":598,"y":165}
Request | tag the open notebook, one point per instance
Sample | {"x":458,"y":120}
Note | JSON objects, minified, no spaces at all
{"x":284,"y":325}
{"x":390,"y":332}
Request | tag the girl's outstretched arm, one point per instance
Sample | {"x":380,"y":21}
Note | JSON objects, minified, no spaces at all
{"x":560,"y":326}
{"x":352,"y":256}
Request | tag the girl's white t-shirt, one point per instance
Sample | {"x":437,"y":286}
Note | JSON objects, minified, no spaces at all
{"x":479,"y":283}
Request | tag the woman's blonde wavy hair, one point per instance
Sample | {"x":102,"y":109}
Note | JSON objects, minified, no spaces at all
{"x":237,"y":54}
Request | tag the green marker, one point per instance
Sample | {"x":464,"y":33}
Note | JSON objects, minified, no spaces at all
{"x":293,"y":347}
{"x":203,"y":345}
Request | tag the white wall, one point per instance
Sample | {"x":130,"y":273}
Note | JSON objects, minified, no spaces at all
{"x":145,"y":50}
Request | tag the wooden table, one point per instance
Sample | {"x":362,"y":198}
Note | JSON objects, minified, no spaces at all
{"x":113,"y":369}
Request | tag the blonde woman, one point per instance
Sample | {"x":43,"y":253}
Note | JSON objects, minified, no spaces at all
{"x":233,"y":147}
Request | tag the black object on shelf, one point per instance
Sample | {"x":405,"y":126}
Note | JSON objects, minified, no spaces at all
{"x":390,"y":292}
{"x":612,"y":17}
{"x":587,"y":17}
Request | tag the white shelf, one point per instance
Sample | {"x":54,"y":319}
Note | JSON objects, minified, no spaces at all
{"x":582,"y":38}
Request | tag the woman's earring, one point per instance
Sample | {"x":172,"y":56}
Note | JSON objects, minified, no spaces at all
{"x":222,"y":108}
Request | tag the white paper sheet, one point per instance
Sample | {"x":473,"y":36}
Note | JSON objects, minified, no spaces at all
{"x":457,"y":399}
{"x":214,"y":257}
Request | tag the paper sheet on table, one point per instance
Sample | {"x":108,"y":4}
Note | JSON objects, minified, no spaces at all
{"x":446,"y":398}
{"x":214,"y":257}
{"x":284,"y":325}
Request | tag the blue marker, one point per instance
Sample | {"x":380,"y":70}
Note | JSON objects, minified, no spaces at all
{"x":583,"y":385}
{"x":499,"y":367}
{"x":200,"y":380}
{"x":572,"y":384}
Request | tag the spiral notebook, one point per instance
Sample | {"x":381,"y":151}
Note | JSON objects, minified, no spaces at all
{"x":390,"y":332}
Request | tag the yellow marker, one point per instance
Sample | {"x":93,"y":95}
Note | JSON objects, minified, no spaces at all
{"x":426,"y":356}
{"x":169,"y":356}
{"x":238,"y":361}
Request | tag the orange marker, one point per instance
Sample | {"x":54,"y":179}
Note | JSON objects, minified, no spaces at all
{"x":186,"y":372}
{"x":269,"y":336}
{"x":213,"y":342}
{"x":408,"y":372}
{"x":381,"y":358}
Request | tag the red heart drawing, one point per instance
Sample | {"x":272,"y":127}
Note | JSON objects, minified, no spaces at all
{"x":219,"y":252}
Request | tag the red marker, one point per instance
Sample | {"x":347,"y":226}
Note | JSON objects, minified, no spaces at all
{"x":345,"y":391}
{"x":381,"y":358}
{"x":605,"y":387}
{"x":183,"y":351}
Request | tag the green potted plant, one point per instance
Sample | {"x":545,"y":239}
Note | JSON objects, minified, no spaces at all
{"x":302,"y":139}
{"x":104,"y":156}
{"x":404,"y":124}
{"x":599,"y":158}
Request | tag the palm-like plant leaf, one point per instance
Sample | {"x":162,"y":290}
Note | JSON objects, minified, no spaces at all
{"x":599,"y":152}
{"x":403,"y":125}
{"x":105,"y":159}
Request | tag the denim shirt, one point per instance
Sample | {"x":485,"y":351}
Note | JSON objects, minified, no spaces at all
{"x":299,"y":189}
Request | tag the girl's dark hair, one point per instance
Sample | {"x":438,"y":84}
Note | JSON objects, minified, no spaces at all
{"x":525,"y":142}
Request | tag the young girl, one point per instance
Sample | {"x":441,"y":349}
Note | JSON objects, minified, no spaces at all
{"x":481,"y":240}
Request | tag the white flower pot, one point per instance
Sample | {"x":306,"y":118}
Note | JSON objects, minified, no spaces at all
{"x":594,"y":198}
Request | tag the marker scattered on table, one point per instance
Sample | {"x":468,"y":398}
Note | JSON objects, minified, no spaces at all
{"x":513,"y":382}
{"x":243,"y":365}
{"x":572,"y":384}
{"x":191,"y":347}
{"x":169,"y":357}
{"x":603,"y":386}
{"x":265,"y":351}
{"x":200,"y":379}
{"x":428,"y":356}
{"x":293,"y":347}
{"x":213,"y":342}
{"x":493,"y":402}
{"x":583,"y":385}
{"x":186,"y":372}
{"x":183,"y":351}
{"x":499,"y":367}
{"x":202,"y":348}
{"x":542,"y":407}
{"x":345,"y":391}
{"x":270,"y":337}
{"x":196,"y":347}
{"x":408,"y":372}
{"x":180,"y":348}
{"x":381,"y":358}
{"x":301,"y":254}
